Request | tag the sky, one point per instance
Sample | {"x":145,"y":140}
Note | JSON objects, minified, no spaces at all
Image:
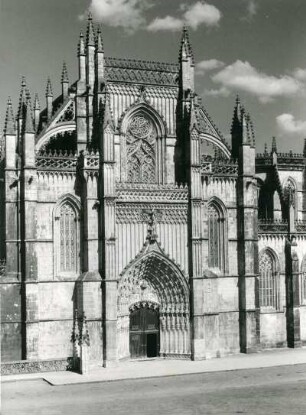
{"x":256,"y":48}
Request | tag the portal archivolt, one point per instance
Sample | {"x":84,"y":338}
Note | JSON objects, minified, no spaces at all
{"x":153,"y":278}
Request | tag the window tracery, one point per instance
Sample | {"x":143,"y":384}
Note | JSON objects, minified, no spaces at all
{"x":141,"y":150}
{"x":216,"y":238}
{"x":66,"y":238}
{"x":267,"y":281}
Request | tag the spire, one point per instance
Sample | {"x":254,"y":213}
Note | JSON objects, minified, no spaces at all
{"x":49,"y":92}
{"x":186,"y":49}
{"x":9,"y":127}
{"x":29,"y":127}
{"x":65,"y":77}
{"x":99,"y":43}
{"x":274,"y":147}
{"x":81,"y":46}
{"x":90,"y":35}
{"x":36,"y":103}
{"x":22,"y":97}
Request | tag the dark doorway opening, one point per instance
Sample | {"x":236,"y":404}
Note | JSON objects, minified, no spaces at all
{"x":144,"y":333}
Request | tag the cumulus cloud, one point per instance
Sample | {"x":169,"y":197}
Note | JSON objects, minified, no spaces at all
{"x":208,"y":65}
{"x":299,"y":74}
{"x":123,"y":13}
{"x":201,"y":13}
{"x":244,"y":77}
{"x":194,"y":15}
{"x":165,"y":23}
{"x":288,"y":124}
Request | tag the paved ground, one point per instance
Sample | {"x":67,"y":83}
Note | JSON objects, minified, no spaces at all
{"x":161,"y":367}
{"x":275,"y":390}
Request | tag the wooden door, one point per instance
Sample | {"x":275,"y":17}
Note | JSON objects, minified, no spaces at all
{"x":144,"y":333}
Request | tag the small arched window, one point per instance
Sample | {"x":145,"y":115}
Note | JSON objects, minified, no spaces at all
{"x":66,"y":238}
{"x":216,"y":237}
{"x":267,"y":280}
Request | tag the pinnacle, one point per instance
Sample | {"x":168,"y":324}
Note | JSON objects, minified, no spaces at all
{"x":65,"y":77}
{"x":90,"y":35}
{"x":186,"y":49}
{"x":81,"y":48}
{"x":99,"y":43}
{"x":9,"y":127}
{"x":36,"y":102}
{"x":22,"y":97}
{"x":49,"y":92}
{"x":107,"y":114}
{"x":29,"y":128}
{"x":274,"y":146}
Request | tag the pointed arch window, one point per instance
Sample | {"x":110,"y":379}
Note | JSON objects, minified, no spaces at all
{"x":216,"y":238}
{"x":141,"y":150}
{"x":267,"y":281}
{"x":67,"y":238}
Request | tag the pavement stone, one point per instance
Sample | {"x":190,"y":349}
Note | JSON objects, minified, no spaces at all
{"x":161,"y":367}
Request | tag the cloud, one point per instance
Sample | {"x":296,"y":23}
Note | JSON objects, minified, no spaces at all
{"x":208,"y":65}
{"x":251,"y":8}
{"x":165,"y":23}
{"x":288,"y":124}
{"x":201,"y":13}
{"x":299,"y":74}
{"x":195,"y":15}
{"x":244,"y":77}
{"x":123,"y":13}
{"x":221,"y":92}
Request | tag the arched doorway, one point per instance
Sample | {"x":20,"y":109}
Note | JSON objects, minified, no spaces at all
{"x":144,"y":330}
{"x":153,"y":279}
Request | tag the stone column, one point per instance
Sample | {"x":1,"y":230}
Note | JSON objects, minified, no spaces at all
{"x":28,"y":241}
{"x":107,"y":229}
{"x":195,"y":247}
{"x":249,"y":312}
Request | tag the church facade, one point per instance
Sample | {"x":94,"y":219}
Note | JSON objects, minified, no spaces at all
{"x":131,"y":229}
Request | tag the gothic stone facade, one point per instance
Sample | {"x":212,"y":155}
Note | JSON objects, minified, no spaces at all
{"x":131,"y":228}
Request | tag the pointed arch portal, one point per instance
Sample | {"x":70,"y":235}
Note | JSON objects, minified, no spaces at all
{"x":153,"y":282}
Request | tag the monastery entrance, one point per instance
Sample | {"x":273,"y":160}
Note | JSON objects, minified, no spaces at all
{"x":153,"y":308}
{"x":144,"y":332}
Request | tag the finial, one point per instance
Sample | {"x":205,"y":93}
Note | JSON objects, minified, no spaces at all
{"x":22,"y":97}
{"x":274,"y":147}
{"x":29,"y":127}
{"x":90,"y":35}
{"x":99,"y":43}
{"x":65,"y":77}
{"x":9,"y":127}
{"x":266,"y":149}
{"x":36,"y":102}
{"x":107,"y":113}
{"x":49,"y":92}
{"x":23,"y":82}
{"x":81,"y":48}
{"x":186,"y":49}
